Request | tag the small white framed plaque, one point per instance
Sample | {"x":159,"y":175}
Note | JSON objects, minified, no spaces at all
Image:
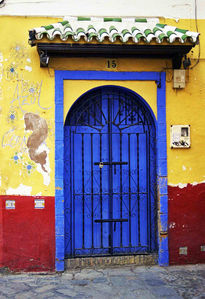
{"x":10,"y":204}
{"x":39,"y":203}
{"x":180,"y":136}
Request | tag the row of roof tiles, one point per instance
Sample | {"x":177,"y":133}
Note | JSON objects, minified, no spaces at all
{"x":137,"y":30}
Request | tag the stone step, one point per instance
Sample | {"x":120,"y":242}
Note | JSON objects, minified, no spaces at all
{"x":91,"y":262}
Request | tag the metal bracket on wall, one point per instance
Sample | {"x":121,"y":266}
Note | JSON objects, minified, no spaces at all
{"x":44,"y":59}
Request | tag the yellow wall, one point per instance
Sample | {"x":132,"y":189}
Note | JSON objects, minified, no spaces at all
{"x":25,"y":87}
{"x":74,"y":89}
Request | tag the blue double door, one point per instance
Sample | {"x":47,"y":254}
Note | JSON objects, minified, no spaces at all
{"x":109,"y":175}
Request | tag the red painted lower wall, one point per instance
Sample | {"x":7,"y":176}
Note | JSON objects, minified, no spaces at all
{"x":1,"y":235}
{"x":28,"y":234}
{"x":186,"y":209}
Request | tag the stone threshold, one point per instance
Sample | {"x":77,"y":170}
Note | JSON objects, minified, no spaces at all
{"x":104,"y":261}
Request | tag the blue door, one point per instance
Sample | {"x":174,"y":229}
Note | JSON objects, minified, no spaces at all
{"x":110,"y":175}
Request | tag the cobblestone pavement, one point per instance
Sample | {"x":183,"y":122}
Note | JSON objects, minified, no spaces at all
{"x":119,"y":282}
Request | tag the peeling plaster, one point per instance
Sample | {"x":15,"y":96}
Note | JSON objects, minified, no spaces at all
{"x":45,"y":174}
{"x":181,"y":185}
{"x":38,"y":150}
{"x":20,"y":190}
{"x":28,"y":68}
{"x":172,"y":225}
{"x":39,"y":127}
{"x":39,"y":194}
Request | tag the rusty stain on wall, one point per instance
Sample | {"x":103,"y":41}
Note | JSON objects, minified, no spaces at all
{"x":39,"y":127}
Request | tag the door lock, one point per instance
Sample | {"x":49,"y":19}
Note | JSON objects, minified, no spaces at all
{"x":101,"y":165}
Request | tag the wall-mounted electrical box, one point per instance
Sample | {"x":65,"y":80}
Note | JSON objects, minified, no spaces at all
{"x":180,"y":136}
{"x":179,"y":79}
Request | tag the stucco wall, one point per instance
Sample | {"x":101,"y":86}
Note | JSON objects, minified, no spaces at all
{"x":28,"y":128}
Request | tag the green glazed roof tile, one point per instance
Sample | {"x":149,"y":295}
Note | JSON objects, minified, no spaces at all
{"x":161,"y":25}
{"x":135,"y":29}
{"x":181,"y":30}
{"x":184,"y":37}
{"x":161,"y":37}
{"x":63,"y":23}
{"x":115,"y":35}
{"x":112,"y":28}
{"x":125,"y":31}
{"x":83,"y":19}
{"x":48,"y":27}
{"x":102,"y":30}
{"x":80,"y":30}
{"x":147,"y":32}
{"x":91,"y":27}
{"x":169,"y":33}
{"x":156,"y":29}
{"x":141,"y":20}
{"x":112,"y":20}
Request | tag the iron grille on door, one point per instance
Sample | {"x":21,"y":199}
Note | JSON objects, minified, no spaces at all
{"x":109,"y":174}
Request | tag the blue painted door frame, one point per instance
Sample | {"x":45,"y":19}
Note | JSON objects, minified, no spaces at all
{"x":160,"y":80}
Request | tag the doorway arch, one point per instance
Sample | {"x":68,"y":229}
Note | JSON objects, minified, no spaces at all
{"x":110,"y":174}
